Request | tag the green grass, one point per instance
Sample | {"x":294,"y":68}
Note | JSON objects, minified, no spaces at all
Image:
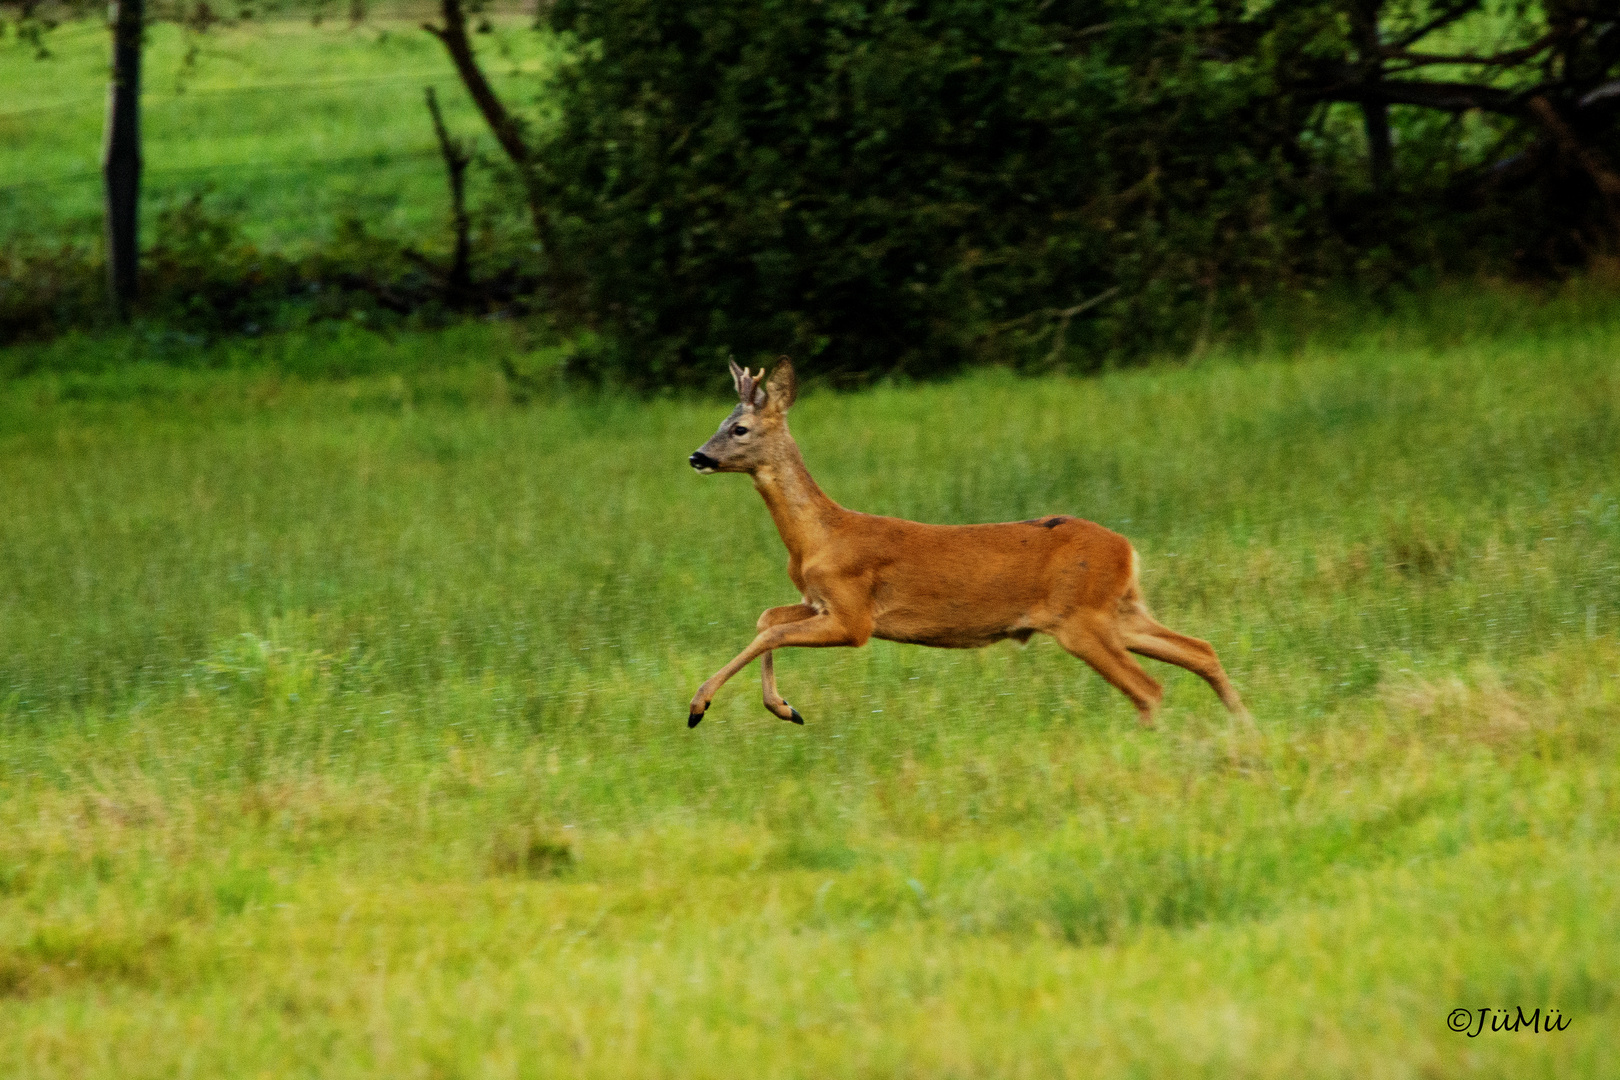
{"x":342,"y":726}
{"x":295,"y":127}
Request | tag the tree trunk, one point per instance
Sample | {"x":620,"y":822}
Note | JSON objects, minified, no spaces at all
{"x":1380,"y":145}
{"x":1374,"y":111}
{"x":121,"y":155}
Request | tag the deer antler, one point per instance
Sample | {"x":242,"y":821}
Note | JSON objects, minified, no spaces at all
{"x":747,"y":384}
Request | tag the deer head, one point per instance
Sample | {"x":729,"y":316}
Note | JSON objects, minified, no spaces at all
{"x":757,"y":428}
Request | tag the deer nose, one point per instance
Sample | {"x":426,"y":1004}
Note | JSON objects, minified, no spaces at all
{"x":700,"y":461}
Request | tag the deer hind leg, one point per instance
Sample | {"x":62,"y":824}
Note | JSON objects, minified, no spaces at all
{"x":1098,"y":643}
{"x":1142,"y":634}
{"x":774,"y":702}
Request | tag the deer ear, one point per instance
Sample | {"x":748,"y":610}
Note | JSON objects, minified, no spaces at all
{"x":783,"y":385}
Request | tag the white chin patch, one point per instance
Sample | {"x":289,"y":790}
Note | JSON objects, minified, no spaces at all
{"x":705,"y":470}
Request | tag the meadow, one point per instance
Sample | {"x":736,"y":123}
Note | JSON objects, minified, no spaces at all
{"x":342,"y":723}
{"x":291,"y":128}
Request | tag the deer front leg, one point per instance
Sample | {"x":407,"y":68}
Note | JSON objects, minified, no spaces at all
{"x":817,"y":631}
{"x":778,"y":616}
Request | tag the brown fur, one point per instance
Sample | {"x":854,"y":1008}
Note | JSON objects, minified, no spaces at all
{"x":949,"y":586}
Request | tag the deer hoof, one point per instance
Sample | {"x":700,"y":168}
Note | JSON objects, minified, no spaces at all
{"x":796,"y":718}
{"x":692,"y":720}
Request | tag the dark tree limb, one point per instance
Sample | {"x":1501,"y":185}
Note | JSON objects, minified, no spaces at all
{"x":1061,"y":317}
{"x":1444,"y":96}
{"x":456,"y":159}
{"x":507,"y":128}
{"x":1586,"y":158}
{"x":524,"y":387}
{"x":1608,"y":92}
{"x":1413,"y":60}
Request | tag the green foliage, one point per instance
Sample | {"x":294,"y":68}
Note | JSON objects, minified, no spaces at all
{"x":888,"y":186}
{"x":906,"y":187}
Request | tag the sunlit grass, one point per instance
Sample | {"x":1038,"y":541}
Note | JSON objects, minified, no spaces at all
{"x":290,"y":127}
{"x":342,"y":727}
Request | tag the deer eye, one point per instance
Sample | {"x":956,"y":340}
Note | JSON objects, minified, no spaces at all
{"x":739,"y":430}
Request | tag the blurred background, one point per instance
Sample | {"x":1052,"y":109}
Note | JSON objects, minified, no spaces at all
{"x":879,"y":188}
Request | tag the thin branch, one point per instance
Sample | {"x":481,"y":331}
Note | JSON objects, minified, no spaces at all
{"x":1061,"y":335}
{"x":1445,"y":96}
{"x":507,"y":129}
{"x":1059,"y":315}
{"x":1081,"y":308}
{"x":1414,"y":60}
{"x":1609,"y":91}
{"x":456,"y":159}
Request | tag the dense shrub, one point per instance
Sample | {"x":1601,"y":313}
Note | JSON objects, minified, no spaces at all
{"x":905,"y":186}
{"x":200,"y":275}
{"x":887,"y":185}
{"x":46,"y":288}
{"x":897,"y":185}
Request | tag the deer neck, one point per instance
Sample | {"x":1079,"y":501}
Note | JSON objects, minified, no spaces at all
{"x":802,"y":512}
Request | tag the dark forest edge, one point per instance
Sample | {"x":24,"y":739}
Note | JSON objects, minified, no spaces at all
{"x":906,"y":190}
{"x":504,"y":360}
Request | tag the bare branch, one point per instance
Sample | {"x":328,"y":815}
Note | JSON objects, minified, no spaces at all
{"x":1060,"y":316}
{"x":507,"y":129}
{"x":456,"y":159}
{"x":1609,"y":91}
{"x":1413,"y":60}
{"x":1445,"y":96}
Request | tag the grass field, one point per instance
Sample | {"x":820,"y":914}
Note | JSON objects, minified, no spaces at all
{"x":342,"y":727}
{"x":291,"y":127}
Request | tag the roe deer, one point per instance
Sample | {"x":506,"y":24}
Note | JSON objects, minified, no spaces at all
{"x":950,"y":586}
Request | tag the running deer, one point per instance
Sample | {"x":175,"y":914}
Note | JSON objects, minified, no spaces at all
{"x":949,"y":586}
